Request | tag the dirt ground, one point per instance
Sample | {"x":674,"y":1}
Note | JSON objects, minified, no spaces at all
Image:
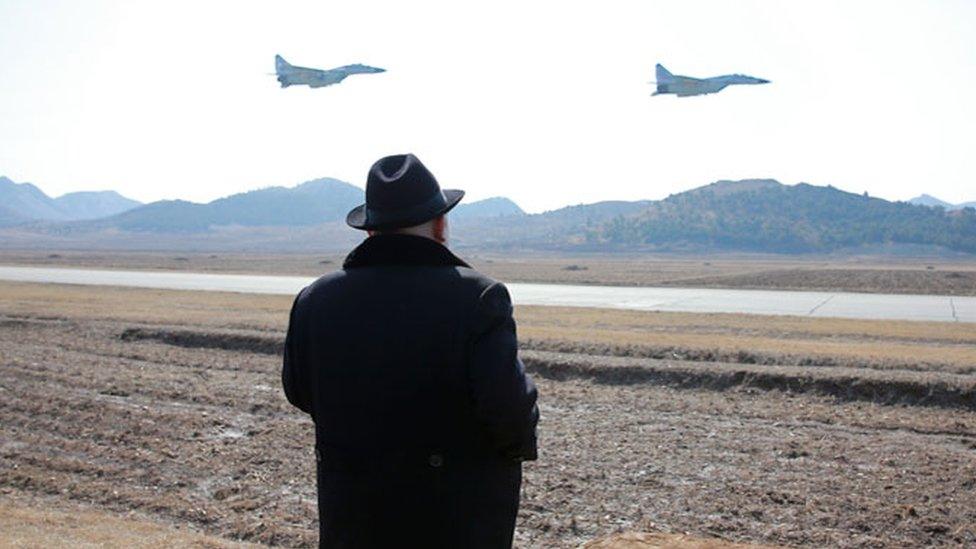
{"x":907,"y":275}
{"x":168,"y":404}
{"x":45,"y":522}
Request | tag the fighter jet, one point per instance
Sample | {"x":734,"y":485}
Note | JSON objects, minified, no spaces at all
{"x":686,"y":86}
{"x":290,"y":75}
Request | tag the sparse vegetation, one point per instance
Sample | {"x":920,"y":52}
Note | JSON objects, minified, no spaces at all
{"x":791,"y":219}
{"x":45,"y":522}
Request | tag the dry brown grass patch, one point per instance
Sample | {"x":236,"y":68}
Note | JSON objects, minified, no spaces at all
{"x":23,"y":526}
{"x":657,"y":540}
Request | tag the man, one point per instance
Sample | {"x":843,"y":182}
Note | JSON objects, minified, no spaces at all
{"x":406,"y":359}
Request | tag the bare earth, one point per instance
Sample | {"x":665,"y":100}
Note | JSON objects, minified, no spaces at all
{"x":781,"y":431}
{"x":907,"y":275}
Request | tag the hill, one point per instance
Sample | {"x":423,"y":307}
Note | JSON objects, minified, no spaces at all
{"x":764,"y":215}
{"x":565,"y":227}
{"x":24,"y":202}
{"x":929,"y":200}
{"x":94,"y":204}
{"x":312,"y":202}
{"x":315,"y":202}
{"x":498,"y":206}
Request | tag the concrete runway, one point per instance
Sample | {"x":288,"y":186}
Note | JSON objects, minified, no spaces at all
{"x":763,"y":302}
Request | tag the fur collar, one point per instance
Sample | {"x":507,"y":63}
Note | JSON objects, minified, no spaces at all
{"x":401,"y":249}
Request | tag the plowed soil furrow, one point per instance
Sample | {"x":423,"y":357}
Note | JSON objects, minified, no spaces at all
{"x":272,"y":344}
{"x":684,"y":354}
{"x":133,"y":395}
{"x":844,"y":384}
{"x":104,"y":345}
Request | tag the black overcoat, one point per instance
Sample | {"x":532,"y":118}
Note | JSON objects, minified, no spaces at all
{"x":407,"y":361}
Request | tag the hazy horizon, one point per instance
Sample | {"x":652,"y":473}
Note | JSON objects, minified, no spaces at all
{"x":547,"y":104}
{"x":466,"y":200}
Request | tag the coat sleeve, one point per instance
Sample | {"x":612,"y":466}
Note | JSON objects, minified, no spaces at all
{"x":505,"y":397}
{"x":292,"y":376}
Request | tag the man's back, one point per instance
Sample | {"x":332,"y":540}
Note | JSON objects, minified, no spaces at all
{"x":406,"y":360}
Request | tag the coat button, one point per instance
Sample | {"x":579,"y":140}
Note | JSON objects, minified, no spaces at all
{"x":436,"y":460}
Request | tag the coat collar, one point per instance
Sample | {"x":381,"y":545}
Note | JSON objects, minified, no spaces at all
{"x":401,"y":249}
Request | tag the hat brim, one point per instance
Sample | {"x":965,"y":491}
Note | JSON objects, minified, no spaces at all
{"x":357,"y":218}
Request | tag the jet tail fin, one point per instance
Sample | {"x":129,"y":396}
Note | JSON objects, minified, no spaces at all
{"x":281,"y":68}
{"x":281,"y":64}
{"x":662,"y":74}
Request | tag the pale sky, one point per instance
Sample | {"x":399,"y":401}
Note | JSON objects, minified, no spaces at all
{"x":546,"y":102}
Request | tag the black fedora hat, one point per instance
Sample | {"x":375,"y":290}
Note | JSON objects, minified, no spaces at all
{"x":401,"y":192}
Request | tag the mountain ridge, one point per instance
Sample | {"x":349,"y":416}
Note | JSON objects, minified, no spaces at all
{"x":25,"y":202}
{"x":801,"y":218}
{"x":753,"y":215}
{"x":312,"y":202}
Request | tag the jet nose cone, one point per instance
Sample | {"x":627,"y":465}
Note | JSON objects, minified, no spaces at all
{"x":761,"y":81}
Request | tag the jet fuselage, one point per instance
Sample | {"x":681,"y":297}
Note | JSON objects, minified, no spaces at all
{"x":686,"y":86}
{"x":290,"y":75}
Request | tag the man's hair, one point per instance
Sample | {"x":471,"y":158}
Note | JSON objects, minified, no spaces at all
{"x":426,"y":229}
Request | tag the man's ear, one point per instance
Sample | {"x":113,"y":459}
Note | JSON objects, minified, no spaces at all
{"x":440,"y":229}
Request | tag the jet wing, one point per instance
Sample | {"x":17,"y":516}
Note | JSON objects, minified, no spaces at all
{"x":313,"y":78}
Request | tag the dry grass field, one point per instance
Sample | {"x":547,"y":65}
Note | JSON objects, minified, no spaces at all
{"x":47,"y":523}
{"x":165,"y":407}
{"x":870,"y":274}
